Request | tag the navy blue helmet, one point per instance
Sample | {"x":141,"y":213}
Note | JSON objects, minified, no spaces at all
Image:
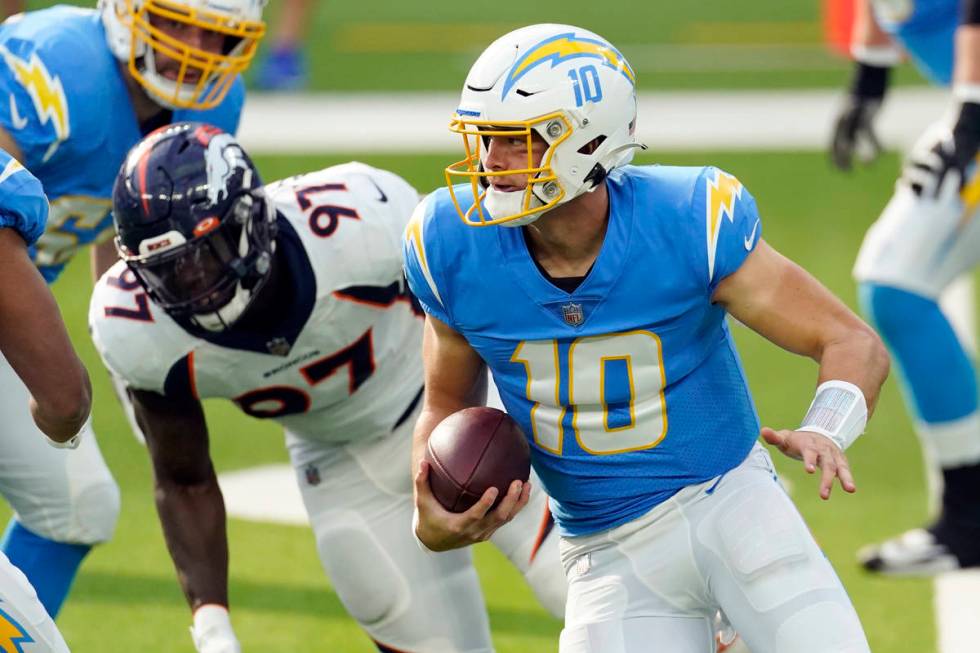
{"x":193,"y":223}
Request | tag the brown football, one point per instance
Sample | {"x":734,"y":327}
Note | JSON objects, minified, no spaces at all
{"x":472,"y":450}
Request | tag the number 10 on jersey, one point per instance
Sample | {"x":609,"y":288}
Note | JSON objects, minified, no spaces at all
{"x":614,"y":386}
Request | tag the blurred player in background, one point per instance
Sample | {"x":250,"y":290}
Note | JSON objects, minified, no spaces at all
{"x":290,"y":301}
{"x":79,"y":88}
{"x":926,"y":237}
{"x":55,"y":391}
{"x":596,"y":292}
{"x":11,"y":7}
{"x":285,"y":66}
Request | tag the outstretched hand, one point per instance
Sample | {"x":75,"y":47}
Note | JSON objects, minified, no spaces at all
{"x":815,"y":450}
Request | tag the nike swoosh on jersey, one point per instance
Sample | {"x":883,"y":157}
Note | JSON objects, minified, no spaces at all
{"x":381,"y":194}
{"x":17,"y":121}
{"x":751,"y":237}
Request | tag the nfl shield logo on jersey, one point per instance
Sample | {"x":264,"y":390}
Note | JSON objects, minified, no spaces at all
{"x":312,"y":475}
{"x":573,"y":314}
{"x":278,"y":346}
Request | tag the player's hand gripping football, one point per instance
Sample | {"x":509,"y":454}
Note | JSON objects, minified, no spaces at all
{"x":816,"y":451}
{"x":441,"y":530}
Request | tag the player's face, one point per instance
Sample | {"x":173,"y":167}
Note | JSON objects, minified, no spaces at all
{"x":510,"y":153}
{"x":193,"y":36}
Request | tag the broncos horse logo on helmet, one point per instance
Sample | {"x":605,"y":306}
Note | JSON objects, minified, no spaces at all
{"x":193,"y":224}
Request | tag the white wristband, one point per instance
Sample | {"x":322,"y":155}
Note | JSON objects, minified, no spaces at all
{"x":73,"y":441}
{"x":967,"y":92}
{"x":838,"y":411}
{"x":882,"y":56}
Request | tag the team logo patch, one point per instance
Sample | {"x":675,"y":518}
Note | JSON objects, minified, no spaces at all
{"x":573,"y":314}
{"x":312,"y":475}
{"x":12,"y":635}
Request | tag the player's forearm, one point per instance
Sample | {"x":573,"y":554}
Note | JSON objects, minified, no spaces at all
{"x":857,"y":356}
{"x":34,"y":341}
{"x":193,"y":519}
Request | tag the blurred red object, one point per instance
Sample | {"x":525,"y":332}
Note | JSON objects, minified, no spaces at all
{"x":838,"y":18}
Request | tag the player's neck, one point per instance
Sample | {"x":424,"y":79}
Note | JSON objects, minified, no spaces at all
{"x":143,"y":105}
{"x":566,"y":240}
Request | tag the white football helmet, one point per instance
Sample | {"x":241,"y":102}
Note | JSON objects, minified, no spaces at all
{"x":569,"y":86}
{"x":133,"y":31}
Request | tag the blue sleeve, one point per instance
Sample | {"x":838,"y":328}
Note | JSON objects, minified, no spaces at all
{"x":420,"y":268}
{"x":732,"y":227}
{"x":226,"y":115}
{"x":34,"y":109}
{"x":23,"y":205}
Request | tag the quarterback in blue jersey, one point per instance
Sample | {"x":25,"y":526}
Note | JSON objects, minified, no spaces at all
{"x":80,"y":87}
{"x":926,"y":238}
{"x":596,"y":293}
{"x":55,"y":391}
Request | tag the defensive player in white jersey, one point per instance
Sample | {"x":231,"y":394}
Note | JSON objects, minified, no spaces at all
{"x":35,"y":346}
{"x":290,"y":301}
{"x":79,"y":88}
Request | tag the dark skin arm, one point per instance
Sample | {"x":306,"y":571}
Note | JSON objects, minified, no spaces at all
{"x":189,"y":502}
{"x":35,"y":343}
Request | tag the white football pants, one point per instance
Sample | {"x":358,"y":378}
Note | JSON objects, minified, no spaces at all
{"x":62,"y":495}
{"x":736,"y":543}
{"x":359,"y":500}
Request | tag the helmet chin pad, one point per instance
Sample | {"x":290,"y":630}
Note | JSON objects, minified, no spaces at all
{"x":499,"y":203}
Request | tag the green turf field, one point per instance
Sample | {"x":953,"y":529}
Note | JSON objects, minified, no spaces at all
{"x":127,"y":598}
{"x":390,"y":45}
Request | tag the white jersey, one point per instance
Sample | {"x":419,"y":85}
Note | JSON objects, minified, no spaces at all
{"x":350,"y":371}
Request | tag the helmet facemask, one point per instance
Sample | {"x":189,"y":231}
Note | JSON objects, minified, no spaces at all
{"x":543,"y":190}
{"x":199,"y":79}
{"x":211,"y":279}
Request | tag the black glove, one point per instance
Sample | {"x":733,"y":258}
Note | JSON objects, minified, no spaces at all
{"x":943,"y":152}
{"x":854,"y":127}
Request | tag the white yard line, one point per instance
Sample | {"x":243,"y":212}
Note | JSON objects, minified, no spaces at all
{"x":742,"y":120}
{"x":957,"y":601}
{"x":701,"y":120}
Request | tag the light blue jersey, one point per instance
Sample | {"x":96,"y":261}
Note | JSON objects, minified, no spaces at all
{"x":23,"y":206}
{"x":629,"y":388}
{"x":64,"y":101}
{"x":925,"y":29}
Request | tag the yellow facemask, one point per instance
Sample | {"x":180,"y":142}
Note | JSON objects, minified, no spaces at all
{"x":538,"y":175}
{"x":149,"y":25}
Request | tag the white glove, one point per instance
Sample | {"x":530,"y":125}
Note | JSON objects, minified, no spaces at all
{"x":212,"y":632}
{"x":933,"y":168}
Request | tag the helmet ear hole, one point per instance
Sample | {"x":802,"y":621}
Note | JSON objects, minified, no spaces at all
{"x":592,"y":145}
